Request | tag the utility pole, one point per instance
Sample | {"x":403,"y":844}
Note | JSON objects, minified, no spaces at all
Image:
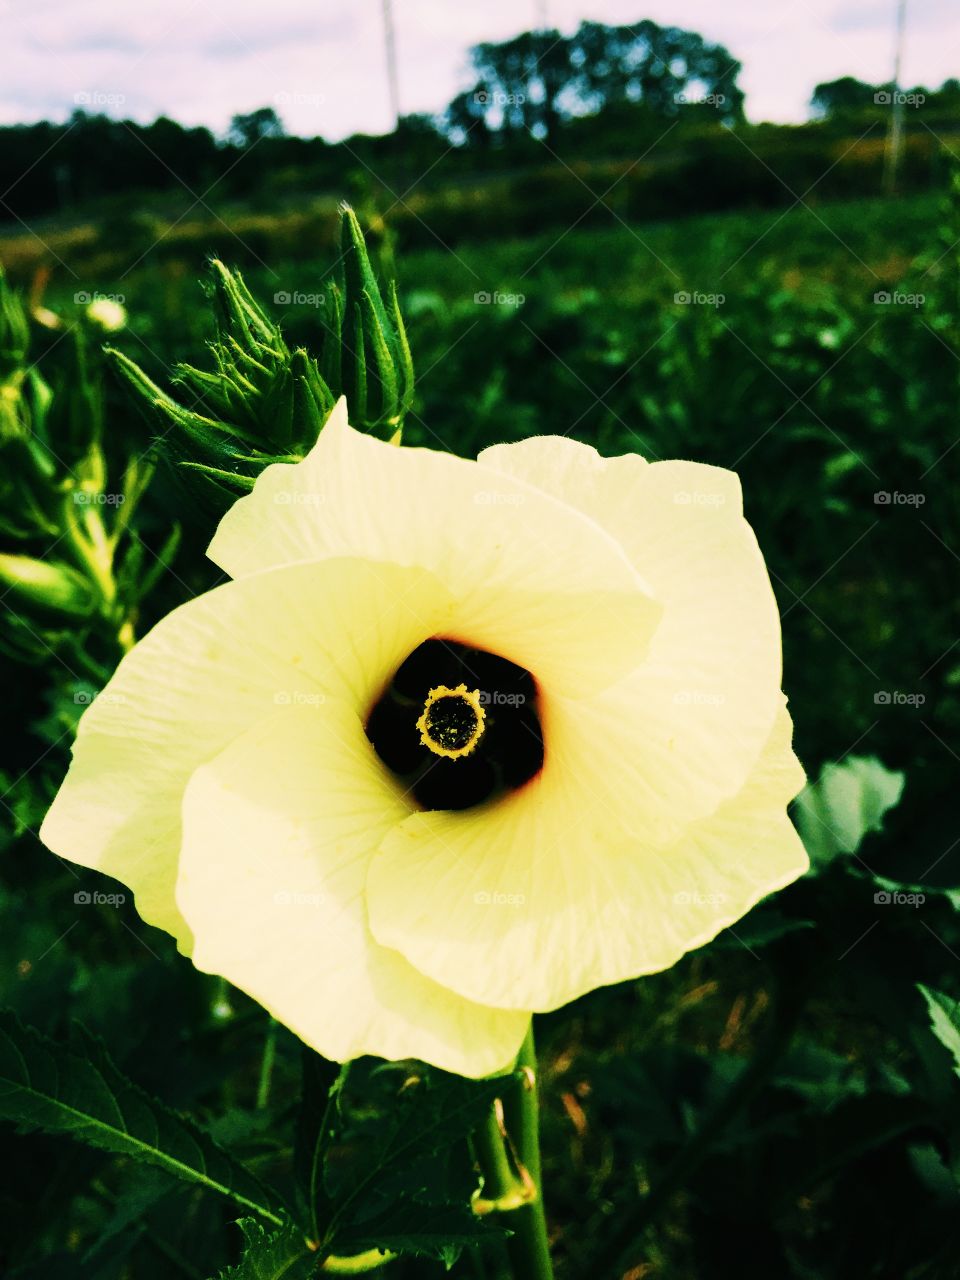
{"x":393,"y":79}
{"x":542,"y":20}
{"x":895,"y":134}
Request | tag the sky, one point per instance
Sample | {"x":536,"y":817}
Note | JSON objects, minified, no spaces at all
{"x":321,"y":65}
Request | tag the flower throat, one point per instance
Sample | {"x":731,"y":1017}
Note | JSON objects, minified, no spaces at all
{"x":458,"y":726}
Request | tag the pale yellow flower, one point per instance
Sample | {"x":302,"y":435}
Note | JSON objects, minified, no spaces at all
{"x":624,"y":798}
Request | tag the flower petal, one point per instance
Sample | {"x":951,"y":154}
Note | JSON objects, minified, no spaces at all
{"x":201,"y":677}
{"x":278,"y":832}
{"x":682,"y":732}
{"x":535,"y":580}
{"x":531,"y":902}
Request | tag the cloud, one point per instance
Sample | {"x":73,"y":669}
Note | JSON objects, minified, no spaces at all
{"x":85,"y":42}
{"x":246,"y":38}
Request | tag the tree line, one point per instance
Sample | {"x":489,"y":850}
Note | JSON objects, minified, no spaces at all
{"x":604,"y":89}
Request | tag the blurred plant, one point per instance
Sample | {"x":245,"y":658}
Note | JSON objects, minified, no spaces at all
{"x":262,"y":402}
{"x":107,"y":313}
{"x":71,"y":571}
{"x":940,"y":266}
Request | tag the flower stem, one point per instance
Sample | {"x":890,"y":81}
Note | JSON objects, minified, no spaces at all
{"x":513,"y":1129}
{"x":528,"y":1248}
{"x":502,"y":1189}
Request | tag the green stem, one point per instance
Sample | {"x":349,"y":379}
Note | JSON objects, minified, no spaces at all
{"x":86,"y":538}
{"x":514,"y":1121}
{"x":528,"y":1248}
{"x":266,"y":1064}
{"x":522,"y":1109}
{"x":502,"y":1189}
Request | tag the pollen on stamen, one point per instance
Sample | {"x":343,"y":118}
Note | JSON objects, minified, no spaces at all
{"x":452,"y":721}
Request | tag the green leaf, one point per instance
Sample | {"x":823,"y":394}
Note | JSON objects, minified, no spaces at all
{"x":847,"y":802}
{"x":761,"y":926}
{"x":143,"y":1188}
{"x":280,"y":1254}
{"x":46,"y":1086}
{"x":440,"y":1232}
{"x":394,"y":1178}
{"x":824,"y":1078}
{"x":320,"y":1089}
{"x":420,"y":1120}
{"x":944,"y":1020}
{"x":14,"y":329}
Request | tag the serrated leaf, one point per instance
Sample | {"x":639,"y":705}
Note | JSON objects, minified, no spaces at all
{"x":440,"y":1232}
{"x":46,"y":1086}
{"x":848,"y":801}
{"x":424,"y":1119}
{"x":402,"y":1162}
{"x":944,"y":1014}
{"x":279,"y":1254}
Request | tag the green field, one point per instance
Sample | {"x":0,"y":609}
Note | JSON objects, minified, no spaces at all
{"x":798,"y":380}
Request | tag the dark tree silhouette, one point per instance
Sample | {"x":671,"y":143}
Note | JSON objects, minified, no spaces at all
{"x":535,"y":81}
{"x":251,"y":128}
{"x":522,"y":81}
{"x":846,"y":94}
